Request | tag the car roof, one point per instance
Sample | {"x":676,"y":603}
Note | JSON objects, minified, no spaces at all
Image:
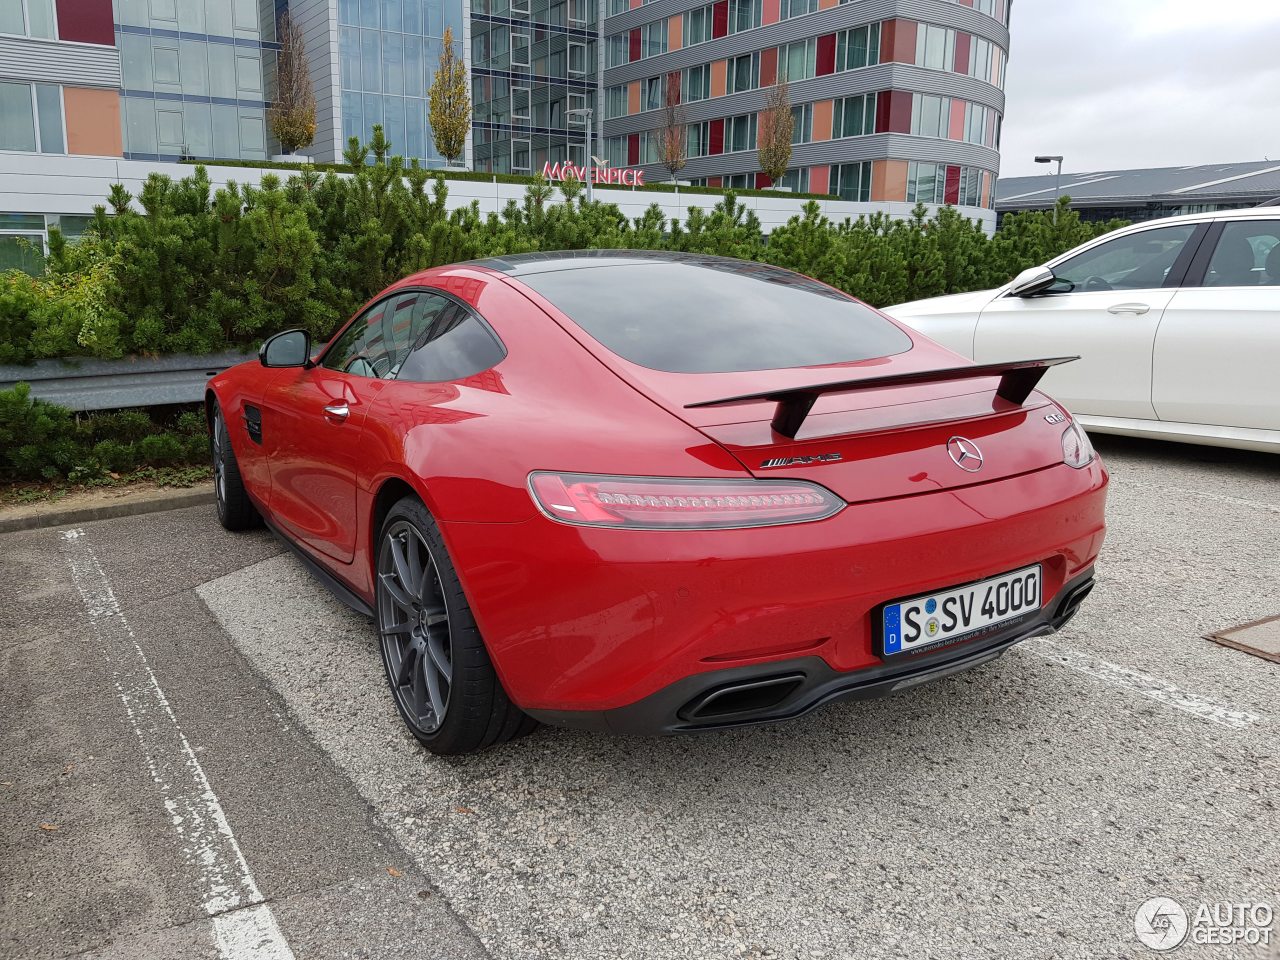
{"x":1245,"y":213}
{"x":525,"y":264}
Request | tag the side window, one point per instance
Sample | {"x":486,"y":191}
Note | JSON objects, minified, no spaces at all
{"x":1135,"y":262}
{"x":457,"y":344}
{"x":369,"y":347}
{"x":1247,"y":255}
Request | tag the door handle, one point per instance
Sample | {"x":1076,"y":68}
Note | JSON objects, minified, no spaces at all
{"x":337,"y":411}
{"x":1137,"y":309}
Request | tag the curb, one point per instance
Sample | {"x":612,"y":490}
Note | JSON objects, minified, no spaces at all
{"x":127,"y":507}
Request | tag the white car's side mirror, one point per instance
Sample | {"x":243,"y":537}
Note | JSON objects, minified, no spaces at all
{"x":1031,"y":281}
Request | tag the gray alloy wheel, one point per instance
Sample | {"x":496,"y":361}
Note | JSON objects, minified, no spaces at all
{"x":438,"y":668}
{"x":413,"y":622}
{"x":235,"y":510}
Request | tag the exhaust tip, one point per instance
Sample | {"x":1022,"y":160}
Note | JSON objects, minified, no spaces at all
{"x":738,"y":699}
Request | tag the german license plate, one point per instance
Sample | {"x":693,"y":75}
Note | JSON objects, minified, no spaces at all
{"x":959,"y":613}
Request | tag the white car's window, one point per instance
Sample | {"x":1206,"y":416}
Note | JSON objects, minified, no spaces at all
{"x":1247,"y":255}
{"x":1138,"y":261}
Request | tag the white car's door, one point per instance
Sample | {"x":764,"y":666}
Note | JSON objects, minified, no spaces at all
{"x":1105,"y":306}
{"x":1217,"y":356}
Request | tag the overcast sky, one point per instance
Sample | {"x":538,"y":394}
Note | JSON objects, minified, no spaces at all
{"x":1114,"y":84}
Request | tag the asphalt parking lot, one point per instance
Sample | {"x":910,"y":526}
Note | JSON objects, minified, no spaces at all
{"x":198,"y":758}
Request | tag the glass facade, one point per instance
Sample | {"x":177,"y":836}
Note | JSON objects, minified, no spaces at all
{"x":533,"y":62}
{"x":388,"y":54}
{"x":194,"y":77}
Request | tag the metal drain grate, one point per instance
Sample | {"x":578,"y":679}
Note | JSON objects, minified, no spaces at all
{"x":1260,"y":638}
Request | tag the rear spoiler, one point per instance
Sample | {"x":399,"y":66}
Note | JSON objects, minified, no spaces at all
{"x":1017,"y":379}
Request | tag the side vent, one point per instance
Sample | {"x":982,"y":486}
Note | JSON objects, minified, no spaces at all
{"x":253,"y":423}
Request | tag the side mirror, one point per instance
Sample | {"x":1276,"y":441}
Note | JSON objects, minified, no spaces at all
{"x":1031,"y":281}
{"x":289,"y":349}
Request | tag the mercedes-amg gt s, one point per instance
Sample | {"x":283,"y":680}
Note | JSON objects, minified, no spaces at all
{"x":651,"y":492}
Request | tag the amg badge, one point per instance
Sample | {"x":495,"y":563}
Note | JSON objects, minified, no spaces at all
{"x":800,"y":461}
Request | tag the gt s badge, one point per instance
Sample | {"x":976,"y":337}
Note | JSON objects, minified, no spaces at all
{"x":1056,"y":417}
{"x":800,"y":461}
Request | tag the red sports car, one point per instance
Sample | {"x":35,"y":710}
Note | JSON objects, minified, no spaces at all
{"x":651,"y":492}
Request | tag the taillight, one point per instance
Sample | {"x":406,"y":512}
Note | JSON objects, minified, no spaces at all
{"x":656,"y":503}
{"x":1077,"y":451}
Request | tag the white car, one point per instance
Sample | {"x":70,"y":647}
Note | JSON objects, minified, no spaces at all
{"x":1176,"y":322}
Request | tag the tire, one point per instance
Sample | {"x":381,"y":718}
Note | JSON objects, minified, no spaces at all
{"x":235,"y":510}
{"x":438,"y":670}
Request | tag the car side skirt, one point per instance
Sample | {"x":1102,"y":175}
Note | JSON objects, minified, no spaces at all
{"x":1239,"y":438}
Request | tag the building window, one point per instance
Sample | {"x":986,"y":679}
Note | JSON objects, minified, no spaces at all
{"x":618,"y":6}
{"x":852,"y":181}
{"x":31,"y":118}
{"x":859,"y":47}
{"x":699,"y":139}
{"x":744,"y":15}
{"x":743,"y":73}
{"x":930,"y":115}
{"x":22,"y":242}
{"x":653,"y":91}
{"x":854,"y":116}
{"x":697,"y":26}
{"x":935,"y":47}
{"x":926,"y":182}
{"x":521,"y":104}
{"x":798,"y":8}
{"x":28,"y":18}
{"x":799,"y":60}
{"x":653,"y":39}
{"x":980,"y":52}
{"x":797,"y":181}
{"x":615,"y":151}
{"x":977,"y":126}
{"x":518,"y":7}
{"x":520,"y":49}
{"x":740,"y":133}
{"x":577,"y":101}
{"x":801,"y":123}
{"x":521,"y":152}
{"x":697,"y":83}
{"x":739,"y":181}
{"x":577,"y":59}
{"x":615,"y":103}
{"x":578,"y":11}
{"x":618,"y":52}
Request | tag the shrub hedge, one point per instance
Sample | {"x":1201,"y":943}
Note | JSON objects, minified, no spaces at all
{"x":42,"y":441}
{"x":197,"y":270}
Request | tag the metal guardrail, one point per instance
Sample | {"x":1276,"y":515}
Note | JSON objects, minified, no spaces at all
{"x":116,"y":384}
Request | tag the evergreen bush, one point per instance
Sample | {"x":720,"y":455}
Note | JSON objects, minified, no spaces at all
{"x":42,"y":441}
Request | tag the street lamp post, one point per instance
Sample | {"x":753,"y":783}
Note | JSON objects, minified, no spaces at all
{"x":1057,"y":183}
{"x":587,"y":113}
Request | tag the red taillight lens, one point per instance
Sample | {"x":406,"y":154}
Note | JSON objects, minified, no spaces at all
{"x":644,"y":503}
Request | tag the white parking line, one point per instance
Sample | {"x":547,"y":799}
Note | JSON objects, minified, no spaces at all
{"x":1141,"y":683}
{"x":209,"y":846}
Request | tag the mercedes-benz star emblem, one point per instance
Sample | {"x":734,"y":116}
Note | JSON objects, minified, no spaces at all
{"x":965,"y":454}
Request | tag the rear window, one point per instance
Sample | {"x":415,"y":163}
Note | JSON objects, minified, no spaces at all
{"x":686,"y":318}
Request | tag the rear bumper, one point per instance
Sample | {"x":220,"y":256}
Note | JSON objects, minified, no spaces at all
{"x":772,"y":692}
{"x":583,"y":620}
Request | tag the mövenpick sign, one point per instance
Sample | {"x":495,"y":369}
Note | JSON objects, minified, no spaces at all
{"x":627,"y":176}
